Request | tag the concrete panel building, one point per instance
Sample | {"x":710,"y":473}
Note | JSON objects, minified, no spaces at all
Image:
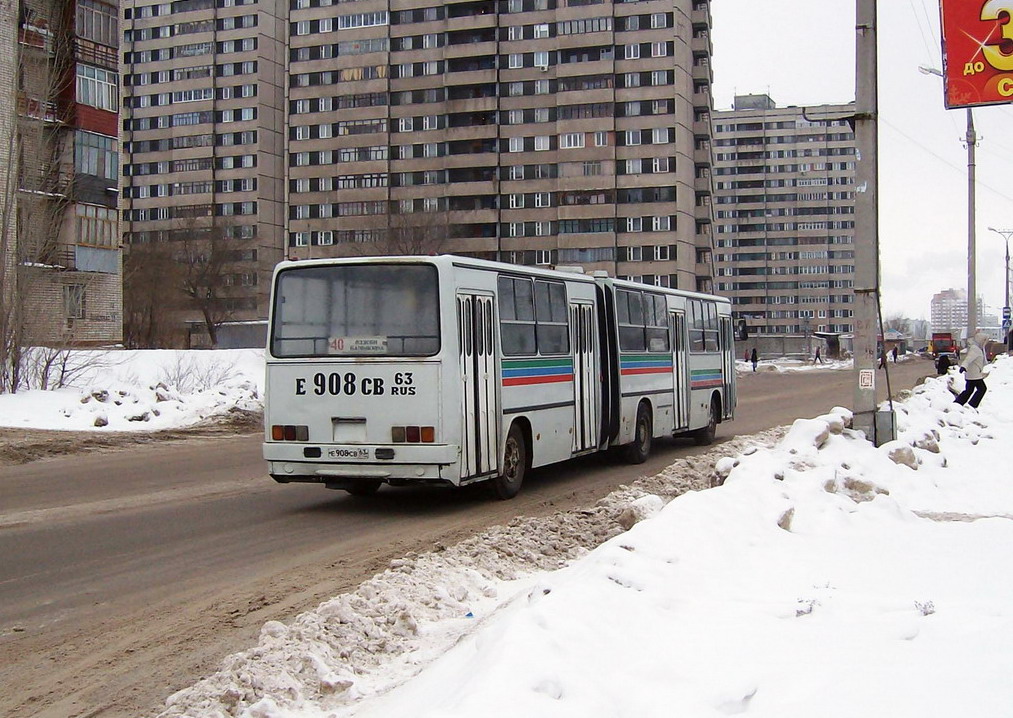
{"x":549,"y":132}
{"x":784,"y":215}
{"x":62,"y":262}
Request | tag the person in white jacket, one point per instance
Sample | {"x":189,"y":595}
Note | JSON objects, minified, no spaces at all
{"x":972,"y":367}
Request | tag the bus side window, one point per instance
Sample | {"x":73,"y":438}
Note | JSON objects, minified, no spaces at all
{"x":630,"y":316}
{"x":696,"y":326}
{"x":657,"y":323}
{"x":517,"y":316}
{"x":551,"y":315}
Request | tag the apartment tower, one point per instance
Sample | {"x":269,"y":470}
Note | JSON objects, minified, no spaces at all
{"x":549,"y":132}
{"x":203,"y":134}
{"x":784,"y":194}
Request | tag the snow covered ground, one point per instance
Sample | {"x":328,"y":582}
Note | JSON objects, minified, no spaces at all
{"x":824,"y":577}
{"x":124,"y":390}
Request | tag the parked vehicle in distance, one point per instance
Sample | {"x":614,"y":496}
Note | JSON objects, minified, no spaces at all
{"x":447,"y":370}
{"x":942,"y":342}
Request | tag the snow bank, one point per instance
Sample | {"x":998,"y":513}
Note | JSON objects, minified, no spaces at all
{"x":142,"y":391}
{"x":824,"y":576}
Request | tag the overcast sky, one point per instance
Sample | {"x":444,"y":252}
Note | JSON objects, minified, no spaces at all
{"x":802,"y":52}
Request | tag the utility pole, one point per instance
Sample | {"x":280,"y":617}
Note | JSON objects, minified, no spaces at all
{"x":972,"y":292}
{"x":866,"y":221}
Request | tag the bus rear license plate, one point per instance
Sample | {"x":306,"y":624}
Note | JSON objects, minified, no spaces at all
{"x":348,"y":453}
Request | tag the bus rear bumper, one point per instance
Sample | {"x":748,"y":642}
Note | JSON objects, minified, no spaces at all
{"x":289,"y":463}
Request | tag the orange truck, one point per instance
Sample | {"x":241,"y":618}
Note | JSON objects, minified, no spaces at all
{"x":942,"y":343}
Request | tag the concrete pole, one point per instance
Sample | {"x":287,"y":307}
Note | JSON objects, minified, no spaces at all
{"x":866,"y":218}
{"x":972,"y":299}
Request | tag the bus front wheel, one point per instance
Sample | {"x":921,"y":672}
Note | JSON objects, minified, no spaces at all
{"x":515,"y":462}
{"x":640,"y":448}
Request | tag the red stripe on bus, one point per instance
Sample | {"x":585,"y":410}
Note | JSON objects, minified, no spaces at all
{"x":649,"y":370}
{"x":526,"y":380}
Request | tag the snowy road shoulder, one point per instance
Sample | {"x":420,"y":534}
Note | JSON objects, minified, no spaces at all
{"x":810,"y":583}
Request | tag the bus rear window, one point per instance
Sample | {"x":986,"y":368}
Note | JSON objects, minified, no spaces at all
{"x":356,"y":310}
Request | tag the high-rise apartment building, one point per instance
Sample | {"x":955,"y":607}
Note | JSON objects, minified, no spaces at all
{"x":552,"y":132}
{"x":784,"y":194}
{"x":948,"y":312}
{"x":61,"y":243}
{"x":203,"y":133}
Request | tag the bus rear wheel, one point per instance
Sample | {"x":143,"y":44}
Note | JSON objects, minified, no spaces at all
{"x":515,"y":463}
{"x":640,"y":448}
{"x":704,"y":436}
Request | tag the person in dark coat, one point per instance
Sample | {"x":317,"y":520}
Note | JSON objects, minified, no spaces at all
{"x":754,"y":357}
{"x":942,"y":363}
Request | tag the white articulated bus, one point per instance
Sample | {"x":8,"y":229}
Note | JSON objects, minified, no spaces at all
{"x":448,"y":370}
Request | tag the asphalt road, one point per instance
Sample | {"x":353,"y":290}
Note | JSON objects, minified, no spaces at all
{"x":126,"y":575}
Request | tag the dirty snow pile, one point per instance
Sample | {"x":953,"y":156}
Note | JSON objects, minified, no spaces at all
{"x":143,"y":390}
{"x":823,"y":577}
{"x":787,"y":366}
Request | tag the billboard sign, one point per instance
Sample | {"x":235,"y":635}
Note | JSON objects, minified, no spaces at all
{"x":977,"y":51}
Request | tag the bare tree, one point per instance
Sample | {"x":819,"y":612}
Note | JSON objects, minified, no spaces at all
{"x":898,"y":323}
{"x":152,"y":297}
{"x":417,"y":233}
{"x":210,"y":261}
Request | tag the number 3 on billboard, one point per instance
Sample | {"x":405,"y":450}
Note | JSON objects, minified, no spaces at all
{"x":1000,"y":56}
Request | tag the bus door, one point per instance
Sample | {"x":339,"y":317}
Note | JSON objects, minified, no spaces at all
{"x":479,"y":454}
{"x":680,"y":370}
{"x":727,"y":340}
{"x":585,"y":377}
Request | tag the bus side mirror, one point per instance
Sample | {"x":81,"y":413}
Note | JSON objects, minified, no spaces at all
{"x":741,"y":330}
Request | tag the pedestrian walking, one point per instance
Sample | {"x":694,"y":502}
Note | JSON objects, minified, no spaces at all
{"x":754,"y":357}
{"x":973,"y":369}
{"x":882,"y":358}
{"x":942,"y":363}
{"x":894,"y":352}
{"x":818,"y":358}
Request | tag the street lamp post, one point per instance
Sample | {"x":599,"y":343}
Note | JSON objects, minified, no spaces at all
{"x":1005,"y":234}
{"x":971,"y":139}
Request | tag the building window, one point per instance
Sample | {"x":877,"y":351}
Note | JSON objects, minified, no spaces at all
{"x":95,"y":155}
{"x":516,"y":144}
{"x":73,"y":301}
{"x":634,"y":224}
{"x":571,"y":140}
{"x":98,"y":88}
{"x":543,"y":199}
{"x":97,"y":22}
{"x":632,"y":52}
{"x":541,"y":143}
{"x":96,"y":226}
{"x":515,"y":60}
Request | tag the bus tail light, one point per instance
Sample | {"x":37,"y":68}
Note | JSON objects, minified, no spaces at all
{"x":288,"y":432}
{"x":413,"y":434}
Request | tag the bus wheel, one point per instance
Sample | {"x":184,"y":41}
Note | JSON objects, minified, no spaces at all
{"x":515,"y":462}
{"x":638,"y":451}
{"x":705,"y":435}
{"x":363,"y":487}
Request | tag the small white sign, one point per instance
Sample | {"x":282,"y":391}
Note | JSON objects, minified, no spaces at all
{"x":866,"y":379}
{"x":357,"y":345}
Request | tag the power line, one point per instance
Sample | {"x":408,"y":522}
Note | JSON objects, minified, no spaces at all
{"x":942,"y":159}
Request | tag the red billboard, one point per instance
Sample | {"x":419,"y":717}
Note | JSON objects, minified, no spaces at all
{"x":977,"y":51}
